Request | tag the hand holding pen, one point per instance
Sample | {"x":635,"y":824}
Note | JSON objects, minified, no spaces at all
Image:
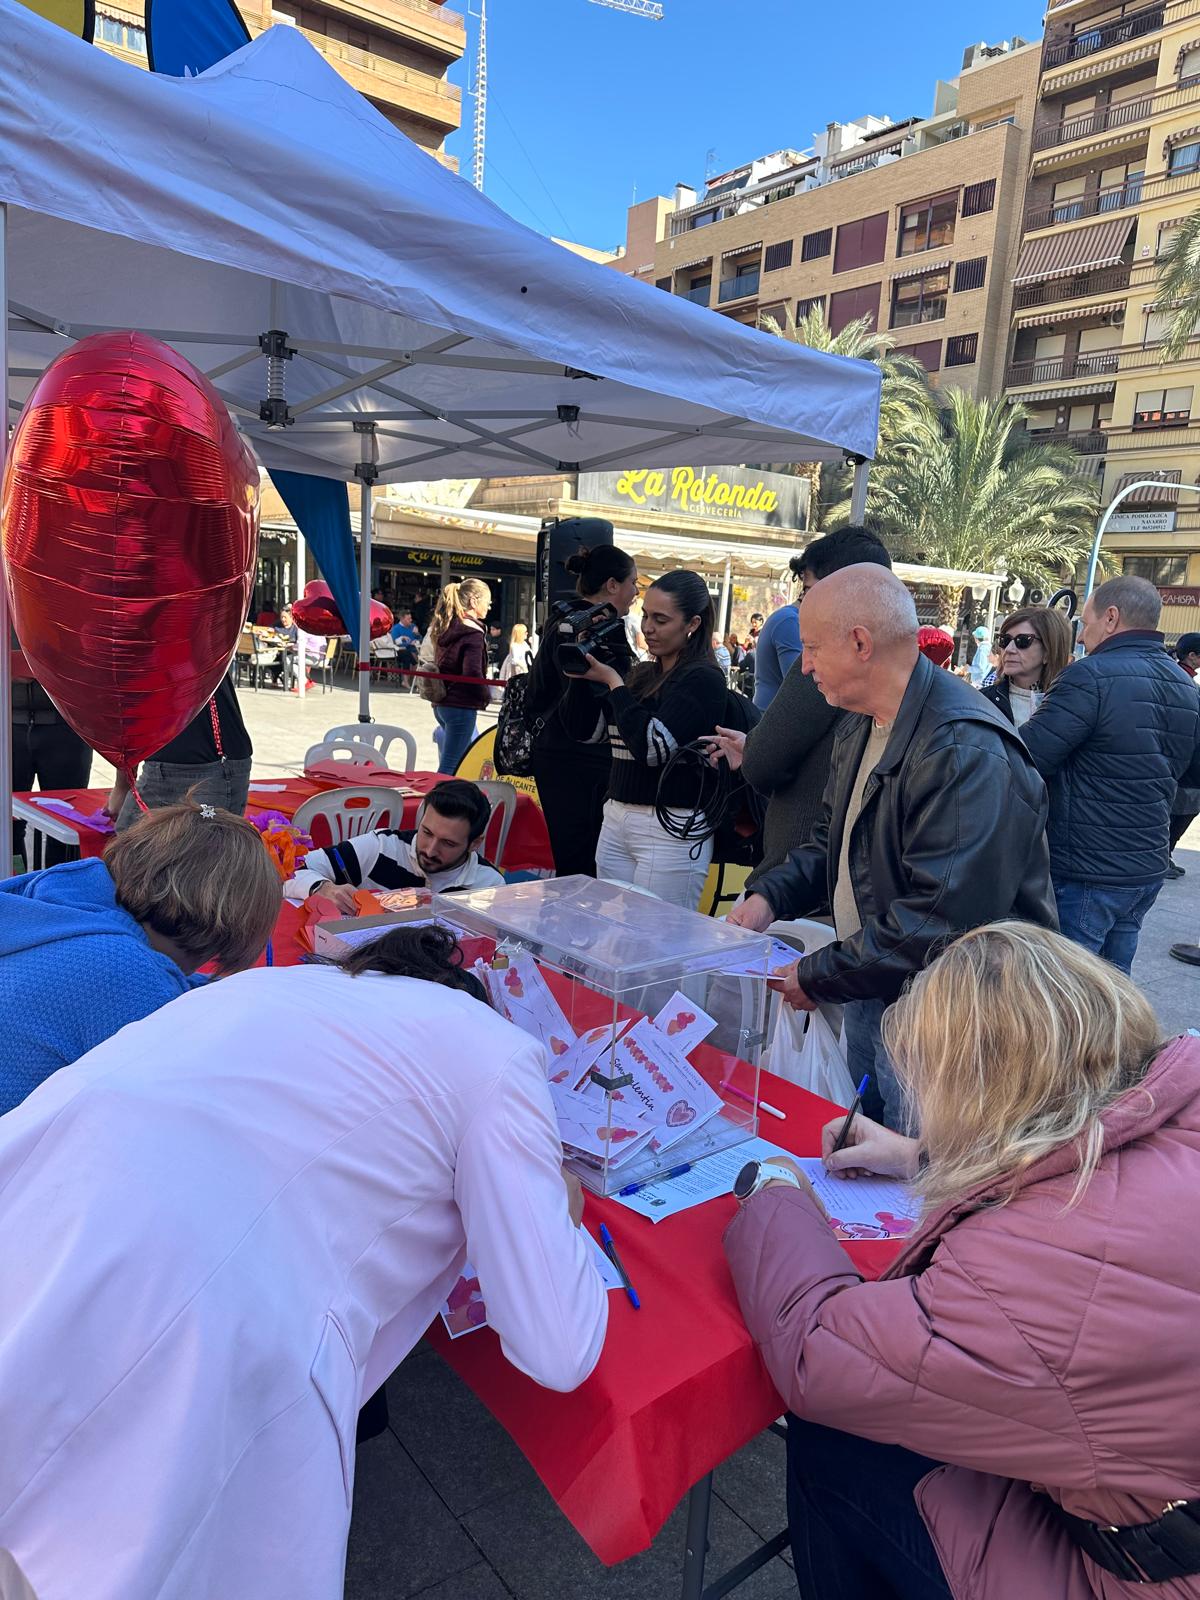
{"x":855,"y":1147}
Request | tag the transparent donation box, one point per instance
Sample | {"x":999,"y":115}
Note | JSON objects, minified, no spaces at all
{"x":652,"y":1017}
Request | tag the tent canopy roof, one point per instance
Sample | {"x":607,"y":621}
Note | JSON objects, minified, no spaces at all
{"x":266,"y":194}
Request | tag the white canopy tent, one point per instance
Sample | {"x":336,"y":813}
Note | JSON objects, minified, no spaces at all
{"x":365,"y":313}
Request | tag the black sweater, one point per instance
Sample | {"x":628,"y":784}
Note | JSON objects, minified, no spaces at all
{"x":644,"y":732}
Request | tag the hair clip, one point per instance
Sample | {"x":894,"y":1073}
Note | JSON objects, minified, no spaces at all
{"x":208,"y":811}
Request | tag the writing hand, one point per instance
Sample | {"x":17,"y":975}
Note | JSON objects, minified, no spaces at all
{"x":869,"y":1147}
{"x":342,"y":895}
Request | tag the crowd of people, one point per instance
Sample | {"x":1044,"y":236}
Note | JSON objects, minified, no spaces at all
{"x":229,"y":1214}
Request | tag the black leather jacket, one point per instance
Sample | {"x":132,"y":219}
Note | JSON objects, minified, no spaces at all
{"x":951,"y":835}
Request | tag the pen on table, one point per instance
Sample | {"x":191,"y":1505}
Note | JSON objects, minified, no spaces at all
{"x":855,"y":1108}
{"x":675,"y":1172}
{"x":610,"y":1250}
{"x":270,"y":954}
{"x":772,"y":1111}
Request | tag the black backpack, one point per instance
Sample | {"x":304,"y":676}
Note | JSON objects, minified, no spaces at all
{"x":517,"y":729}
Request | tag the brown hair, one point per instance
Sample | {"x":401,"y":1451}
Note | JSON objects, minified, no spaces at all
{"x":1009,"y":1045}
{"x":204,"y":882}
{"x":1054,"y":631}
{"x":453,"y":601}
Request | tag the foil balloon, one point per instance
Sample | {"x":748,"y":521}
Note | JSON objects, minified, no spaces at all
{"x":316,"y":612}
{"x":130,"y":534}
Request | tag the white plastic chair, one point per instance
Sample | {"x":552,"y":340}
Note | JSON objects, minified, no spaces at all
{"x":345,"y":752}
{"x":503,"y":799}
{"x":349,"y":812}
{"x":380,"y":736}
{"x":807,"y":936}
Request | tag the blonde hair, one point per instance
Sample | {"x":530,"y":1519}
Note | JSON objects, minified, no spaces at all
{"x":519,"y":634}
{"x":205,"y":882}
{"x":453,"y":602}
{"x":1009,"y":1045}
{"x":1053,"y":631}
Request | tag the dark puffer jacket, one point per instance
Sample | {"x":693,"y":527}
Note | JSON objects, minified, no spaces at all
{"x":1113,"y":737}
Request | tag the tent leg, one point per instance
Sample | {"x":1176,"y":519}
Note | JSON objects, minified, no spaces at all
{"x":366,"y":472}
{"x":6,"y":731}
{"x":858,"y":492}
{"x":726,"y":596}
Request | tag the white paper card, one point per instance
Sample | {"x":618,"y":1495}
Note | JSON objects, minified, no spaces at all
{"x":779,"y":955}
{"x":666,"y":1089}
{"x":684,"y":1023}
{"x":863,"y":1208}
{"x":520,"y":993}
{"x":667,"y":1197}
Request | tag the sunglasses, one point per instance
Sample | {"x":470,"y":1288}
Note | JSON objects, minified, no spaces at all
{"x":1019,"y":641}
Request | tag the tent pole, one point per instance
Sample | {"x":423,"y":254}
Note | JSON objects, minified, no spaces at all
{"x":6,"y":729}
{"x":858,"y":490}
{"x":366,"y":472}
{"x":726,"y":595}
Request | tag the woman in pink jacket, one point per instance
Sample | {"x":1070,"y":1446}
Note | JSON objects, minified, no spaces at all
{"x":1011,"y":1413}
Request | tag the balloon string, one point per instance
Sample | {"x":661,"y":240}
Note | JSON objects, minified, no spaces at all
{"x":131,"y":774}
{"x":216,"y":727}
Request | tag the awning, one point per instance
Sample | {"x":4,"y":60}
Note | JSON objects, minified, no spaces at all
{"x":1086,"y":386}
{"x":742,"y":250}
{"x":686,"y":266}
{"x":1149,"y":496}
{"x":1041,"y":319}
{"x":1181,"y":136}
{"x":1101,"y":245}
{"x":921,"y":271}
{"x":1099,"y":68}
{"x":1069,"y":155}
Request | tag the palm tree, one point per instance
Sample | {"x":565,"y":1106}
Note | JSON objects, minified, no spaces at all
{"x":905,"y":396}
{"x":1179,"y":285}
{"x":966,"y":489}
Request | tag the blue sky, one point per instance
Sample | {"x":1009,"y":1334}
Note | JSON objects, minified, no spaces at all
{"x":585,"y":102}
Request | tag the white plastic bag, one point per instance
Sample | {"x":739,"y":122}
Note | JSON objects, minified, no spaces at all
{"x":804,"y":1049}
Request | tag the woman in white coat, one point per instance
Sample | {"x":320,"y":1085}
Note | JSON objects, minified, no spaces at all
{"x":228,"y":1224}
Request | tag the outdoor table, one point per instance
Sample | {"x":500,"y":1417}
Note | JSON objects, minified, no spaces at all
{"x":527,"y":850}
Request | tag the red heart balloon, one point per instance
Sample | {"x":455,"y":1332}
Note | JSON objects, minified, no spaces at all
{"x":316,"y":612}
{"x":130,"y":536}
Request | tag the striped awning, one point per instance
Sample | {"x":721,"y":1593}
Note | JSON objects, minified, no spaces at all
{"x":1061,"y":391}
{"x":686,"y":266}
{"x":1071,"y":155}
{"x":1149,"y":496}
{"x":1099,"y":68}
{"x":1042,"y":319}
{"x":921,"y":270}
{"x":1181,"y":136}
{"x":1060,"y":254}
{"x":742,"y":250}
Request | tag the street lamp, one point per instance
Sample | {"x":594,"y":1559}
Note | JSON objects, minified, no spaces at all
{"x":1016,"y":591}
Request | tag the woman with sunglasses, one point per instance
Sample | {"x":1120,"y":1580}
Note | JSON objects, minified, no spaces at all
{"x":1035,"y":646}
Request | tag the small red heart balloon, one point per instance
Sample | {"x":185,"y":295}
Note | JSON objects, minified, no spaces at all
{"x":316,"y":612}
{"x":130,"y":536}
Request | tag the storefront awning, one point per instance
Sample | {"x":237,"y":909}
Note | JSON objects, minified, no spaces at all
{"x":1101,"y":245}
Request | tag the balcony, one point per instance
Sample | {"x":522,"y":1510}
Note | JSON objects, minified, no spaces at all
{"x":738,"y":288}
{"x":1092,"y":442}
{"x":1119,"y":198}
{"x":698,"y":296}
{"x":1101,"y":280}
{"x":421,"y":95}
{"x":435,"y":28}
{"x":1134,"y":23}
{"x":1102,"y":121}
{"x":1059,"y":369}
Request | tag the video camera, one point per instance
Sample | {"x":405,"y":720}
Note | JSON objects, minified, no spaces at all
{"x":577,"y":631}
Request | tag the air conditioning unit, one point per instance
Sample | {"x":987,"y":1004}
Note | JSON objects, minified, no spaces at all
{"x":1115,"y":319}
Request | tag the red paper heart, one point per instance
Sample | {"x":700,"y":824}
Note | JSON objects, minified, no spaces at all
{"x":316,"y":612}
{"x":130,"y":533}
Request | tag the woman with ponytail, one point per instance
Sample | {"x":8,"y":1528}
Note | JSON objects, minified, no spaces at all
{"x":663,"y":704}
{"x":460,"y":651}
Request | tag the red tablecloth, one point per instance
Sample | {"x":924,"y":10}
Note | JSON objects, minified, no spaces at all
{"x":527,"y":850}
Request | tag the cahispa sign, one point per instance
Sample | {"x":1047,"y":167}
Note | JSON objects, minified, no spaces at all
{"x":733,"y":494}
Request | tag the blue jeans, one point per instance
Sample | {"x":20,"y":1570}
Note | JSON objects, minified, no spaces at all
{"x":856,"y":1531}
{"x":866,"y":1058}
{"x":1105,"y":918}
{"x":458,"y":734}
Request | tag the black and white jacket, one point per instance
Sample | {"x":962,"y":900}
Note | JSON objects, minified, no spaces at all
{"x":386,"y":860}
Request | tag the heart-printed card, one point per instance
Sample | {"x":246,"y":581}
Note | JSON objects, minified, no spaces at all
{"x":684,"y":1023}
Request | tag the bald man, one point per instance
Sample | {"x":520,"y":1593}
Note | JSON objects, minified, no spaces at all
{"x":933,"y":819}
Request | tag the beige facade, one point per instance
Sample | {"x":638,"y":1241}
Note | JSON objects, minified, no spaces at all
{"x":911,"y":224}
{"x":1115,"y":164}
{"x":396,"y":52}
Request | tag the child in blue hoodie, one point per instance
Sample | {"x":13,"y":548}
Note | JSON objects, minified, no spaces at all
{"x":91,"y":945}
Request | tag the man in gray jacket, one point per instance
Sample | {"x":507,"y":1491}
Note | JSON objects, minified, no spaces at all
{"x":932,"y":823}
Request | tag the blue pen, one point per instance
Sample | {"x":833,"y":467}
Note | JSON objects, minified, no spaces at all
{"x":270,"y":954}
{"x":610,"y":1250}
{"x":675,"y":1172}
{"x":855,"y":1108}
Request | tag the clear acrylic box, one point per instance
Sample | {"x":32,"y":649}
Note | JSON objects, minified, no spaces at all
{"x":588,"y":967}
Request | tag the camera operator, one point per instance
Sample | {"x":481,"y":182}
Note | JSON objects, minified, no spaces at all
{"x":572,"y":778}
{"x":661,"y":705}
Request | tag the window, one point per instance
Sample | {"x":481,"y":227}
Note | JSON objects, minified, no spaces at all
{"x":1162,"y":408}
{"x":970,"y":274}
{"x":1189,"y":66}
{"x":861,"y":243}
{"x":663,"y":283}
{"x":962,"y":350}
{"x":1068,"y":200}
{"x":1183,"y":158}
{"x":1120,"y":186}
{"x":978,"y":198}
{"x":1164,"y":570}
{"x":741,"y":281}
{"x":778,"y":255}
{"x":815,"y":245}
{"x":124,"y":35}
{"x":803,"y":307}
{"x":847,"y":305}
{"x":929,"y":353}
{"x":927,"y":225}
{"x":920,"y":299}
{"x":1158,"y":324}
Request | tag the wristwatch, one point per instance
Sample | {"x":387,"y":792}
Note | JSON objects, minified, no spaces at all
{"x":755,"y":1174}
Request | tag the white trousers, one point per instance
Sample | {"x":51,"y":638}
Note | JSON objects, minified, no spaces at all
{"x":633,"y":848}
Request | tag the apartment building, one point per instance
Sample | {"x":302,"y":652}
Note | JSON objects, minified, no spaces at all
{"x":913,"y":224}
{"x":396,"y":52}
{"x":1115,"y":166}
